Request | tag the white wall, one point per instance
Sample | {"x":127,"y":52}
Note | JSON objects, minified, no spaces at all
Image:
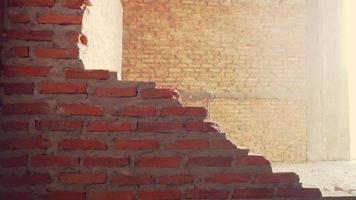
{"x":327,"y":107}
{"x":349,"y":58}
{"x":103,"y":26}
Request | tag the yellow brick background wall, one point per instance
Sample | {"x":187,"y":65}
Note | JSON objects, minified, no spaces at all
{"x":242,"y":59}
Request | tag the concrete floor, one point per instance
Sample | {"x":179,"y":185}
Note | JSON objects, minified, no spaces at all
{"x":333,"y":178}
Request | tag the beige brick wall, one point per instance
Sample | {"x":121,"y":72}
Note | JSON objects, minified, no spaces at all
{"x":244,"y":60}
{"x":269,"y":126}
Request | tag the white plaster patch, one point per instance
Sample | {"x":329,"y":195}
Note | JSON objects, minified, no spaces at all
{"x":103,"y":26}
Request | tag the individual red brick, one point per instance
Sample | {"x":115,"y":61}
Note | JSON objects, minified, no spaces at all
{"x":189,"y":144}
{"x":59,"y":125}
{"x":142,"y":144}
{"x":122,"y":195}
{"x":226,"y":178}
{"x":210,"y":161}
{"x":63,"y":88}
{"x":158,"y":94}
{"x":82,"y":178}
{"x":54,"y":160}
{"x":159,"y":162}
{"x":199,"y":126}
{"x":60,"y":19}
{"x":127,"y":180}
{"x":31,"y":3}
{"x":15,"y":195}
{"x":159,"y":195}
{"x":31,"y":143}
{"x":26,"y":108}
{"x":30,"y":35}
{"x":76,"y":38}
{"x":198,"y":193}
{"x":176,"y":179}
{"x":109,"y":127}
{"x":115,"y":92}
{"x":61,"y":195}
{"x":298,"y":193}
{"x":253,"y":193}
{"x":20,"y":51}
{"x":276,"y":178}
{"x":9,"y":162}
{"x":24,"y":180}
{"x":160,"y":127}
{"x":184,"y":111}
{"x":251,"y":160}
{"x":19,"y":88}
{"x":14,"y":126}
{"x":222,"y":144}
{"x":80,"y":144}
{"x":76,"y":4}
{"x":87,"y":74}
{"x":137,"y":111}
{"x":20,"y":18}
{"x":15,"y":71}
{"x":82,"y":109}
{"x":57,"y":53}
{"x":107,"y":162}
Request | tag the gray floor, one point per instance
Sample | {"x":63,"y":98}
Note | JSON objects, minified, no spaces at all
{"x":333,"y":178}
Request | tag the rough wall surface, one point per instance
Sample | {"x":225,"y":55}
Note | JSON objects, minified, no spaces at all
{"x":243,"y":60}
{"x":72,"y":134}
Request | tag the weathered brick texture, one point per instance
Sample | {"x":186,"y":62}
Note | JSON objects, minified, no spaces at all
{"x":75,"y":134}
{"x":243,"y":60}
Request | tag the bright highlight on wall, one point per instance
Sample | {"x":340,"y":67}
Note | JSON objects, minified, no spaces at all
{"x":349,"y":58}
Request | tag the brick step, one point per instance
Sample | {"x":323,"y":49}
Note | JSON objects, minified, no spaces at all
{"x":118,"y":89}
{"x":14,"y":114}
{"x":201,"y":150}
{"x":14,"y":73}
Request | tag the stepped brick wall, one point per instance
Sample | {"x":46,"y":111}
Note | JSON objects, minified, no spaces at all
{"x":242,"y":60}
{"x":67,"y":133}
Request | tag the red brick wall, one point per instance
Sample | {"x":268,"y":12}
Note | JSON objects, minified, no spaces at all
{"x":38,"y":31}
{"x":243,"y":60}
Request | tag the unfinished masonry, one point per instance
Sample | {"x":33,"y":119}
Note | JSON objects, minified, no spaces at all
{"x":70,"y":133}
